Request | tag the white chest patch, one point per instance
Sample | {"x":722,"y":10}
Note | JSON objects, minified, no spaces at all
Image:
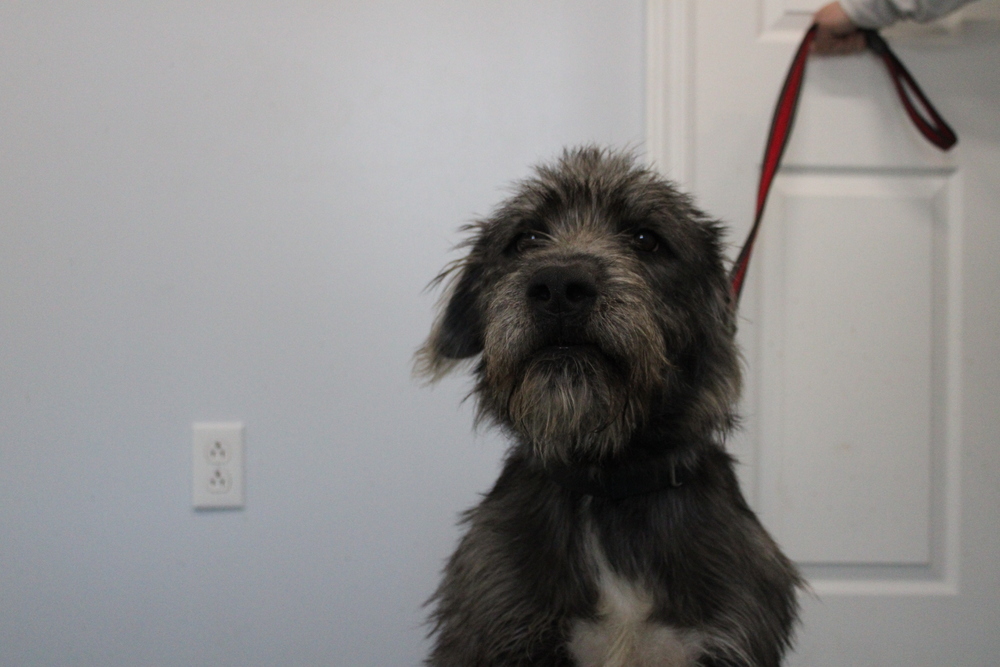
{"x":623,"y":634}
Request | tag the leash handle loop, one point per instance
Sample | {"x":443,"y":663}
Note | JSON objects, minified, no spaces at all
{"x":929,"y":123}
{"x":932,"y":125}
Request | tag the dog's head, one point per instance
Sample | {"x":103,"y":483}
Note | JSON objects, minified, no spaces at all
{"x":597,"y":302}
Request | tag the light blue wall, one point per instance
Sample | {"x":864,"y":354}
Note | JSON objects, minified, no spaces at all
{"x":229,"y":211}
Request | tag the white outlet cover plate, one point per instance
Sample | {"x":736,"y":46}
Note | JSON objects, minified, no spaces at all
{"x":217,"y":465}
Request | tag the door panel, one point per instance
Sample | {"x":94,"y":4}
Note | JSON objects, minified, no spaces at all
{"x":854,"y":372}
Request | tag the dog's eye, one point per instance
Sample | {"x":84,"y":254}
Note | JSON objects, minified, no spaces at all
{"x":526,"y":241}
{"x":645,"y":241}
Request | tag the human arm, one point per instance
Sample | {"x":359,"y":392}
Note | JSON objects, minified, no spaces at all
{"x":839,"y":23}
{"x":883,"y":13}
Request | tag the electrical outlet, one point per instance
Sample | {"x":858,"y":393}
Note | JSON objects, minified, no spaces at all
{"x":217,"y":452}
{"x":220,"y":481}
{"x":218,"y":465}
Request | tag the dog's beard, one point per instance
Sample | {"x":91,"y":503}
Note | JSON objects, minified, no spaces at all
{"x":578,"y":403}
{"x":572,"y":404}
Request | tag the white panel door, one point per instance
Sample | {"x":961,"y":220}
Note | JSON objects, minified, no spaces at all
{"x":869,"y":320}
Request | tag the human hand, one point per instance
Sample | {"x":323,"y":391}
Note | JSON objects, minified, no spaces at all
{"x":836,"y":33}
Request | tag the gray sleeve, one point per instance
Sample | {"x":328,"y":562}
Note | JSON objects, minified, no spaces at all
{"x":882,"y":13}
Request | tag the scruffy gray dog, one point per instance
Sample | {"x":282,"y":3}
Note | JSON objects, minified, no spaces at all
{"x":596,"y":307}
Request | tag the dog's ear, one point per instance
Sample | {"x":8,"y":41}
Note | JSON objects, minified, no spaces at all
{"x":458,"y":332}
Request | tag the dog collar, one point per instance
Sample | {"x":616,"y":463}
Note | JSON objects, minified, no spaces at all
{"x":624,"y":481}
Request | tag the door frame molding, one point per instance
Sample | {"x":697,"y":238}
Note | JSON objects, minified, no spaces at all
{"x":669,"y":69}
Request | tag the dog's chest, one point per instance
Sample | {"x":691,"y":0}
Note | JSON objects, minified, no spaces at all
{"x":624,"y":635}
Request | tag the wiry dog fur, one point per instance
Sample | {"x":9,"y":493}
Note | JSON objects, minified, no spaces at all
{"x":595,"y":306}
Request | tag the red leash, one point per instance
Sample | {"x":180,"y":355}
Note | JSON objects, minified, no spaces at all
{"x":930,"y":124}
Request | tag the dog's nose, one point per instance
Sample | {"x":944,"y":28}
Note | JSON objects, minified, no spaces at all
{"x":562,"y":290}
